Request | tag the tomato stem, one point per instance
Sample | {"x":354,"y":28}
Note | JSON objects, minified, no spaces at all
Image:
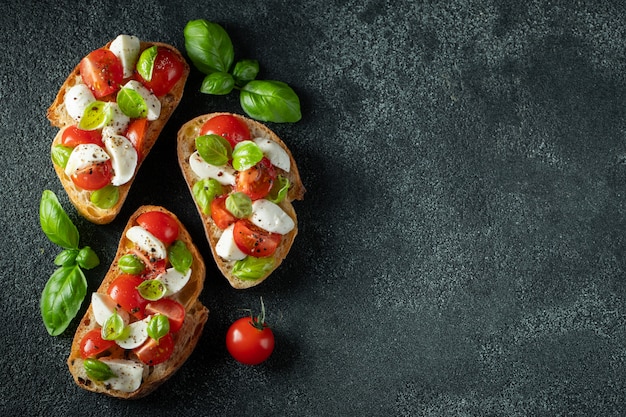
{"x":258,"y":322}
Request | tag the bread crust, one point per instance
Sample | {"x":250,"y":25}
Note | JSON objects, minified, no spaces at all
{"x":186,"y":146}
{"x":59,"y":117}
{"x":185,"y":339}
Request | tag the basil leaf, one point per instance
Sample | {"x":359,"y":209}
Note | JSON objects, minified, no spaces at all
{"x":131,"y":264}
{"x":132,"y":104}
{"x":55,"y":222}
{"x":246,"y":155}
{"x":60,"y":154}
{"x":270,"y":101}
{"x":66,"y":258}
{"x":61,"y":298}
{"x":114,"y":327}
{"x":152,"y":289}
{"x":245,"y":70}
{"x":180,"y":257}
{"x":98,"y":370}
{"x":106,"y":197}
{"x":145,"y":63}
{"x":218,"y":83}
{"x":97,"y":115}
{"x":209,"y":47}
{"x":239,"y":204}
{"x":279,"y":190}
{"x":251,"y":268}
{"x":214,"y":149}
{"x":158,"y":326}
{"x":204,"y":191}
{"x":87,"y":258}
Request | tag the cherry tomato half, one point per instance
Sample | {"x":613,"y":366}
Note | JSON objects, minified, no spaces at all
{"x":220,"y":215}
{"x":93,"y":344}
{"x":136,"y":133}
{"x":174,"y":311}
{"x":102,"y":72}
{"x":94,"y":176}
{"x":153,"y":352}
{"x":254,"y":241}
{"x":160,"y":224}
{"x":166,"y":72}
{"x":123,"y":290}
{"x":228,"y":126}
{"x":73,"y":136}
{"x":257,"y":181}
{"x":249,"y":344}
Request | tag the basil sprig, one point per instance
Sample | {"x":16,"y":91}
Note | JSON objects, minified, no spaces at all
{"x":211,"y":51}
{"x":98,"y":370}
{"x":66,"y":288}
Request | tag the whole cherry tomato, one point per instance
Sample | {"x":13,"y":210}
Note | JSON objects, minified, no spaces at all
{"x":250,"y":340}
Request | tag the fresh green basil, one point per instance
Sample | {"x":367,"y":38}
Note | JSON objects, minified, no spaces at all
{"x":239,"y":205}
{"x":270,"y":101}
{"x":66,"y":258}
{"x":106,"y":197}
{"x":180,"y":257}
{"x":55,"y":222}
{"x":209,"y":47}
{"x":62,"y":297}
{"x":114,"y":327}
{"x":152,"y":289}
{"x":97,"y":115}
{"x":214,"y":149}
{"x":279,"y":190}
{"x":131,"y":103}
{"x":145,"y":63}
{"x":158,"y":326}
{"x":87,"y":258}
{"x":245,"y":71}
{"x":251,"y":268}
{"x":98,"y":370}
{"x":246,"y":155}
{"x":131,"y":264}
{"x":218,"y":83}
{"x":60,"y":155}
{"x":204,"y":191}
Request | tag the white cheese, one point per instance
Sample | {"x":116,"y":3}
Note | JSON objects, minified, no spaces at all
{"x":119,"y":121}
{"x":173,"y":280}
{"x":153,"y":103}
{"x":123,"y":158}
{"x":77,"y":99}
{"x":147,"y":242}
{"x":227,"y":248}
{"x":103,"y":307}
{"x":129,"y":374}
{"x":269,"y":216}
{"x":137,"y":334}
{"x":84,"y":155}
{"x":224,"y":174}
{"x":126,"y":48}
{"x":275,"y":153}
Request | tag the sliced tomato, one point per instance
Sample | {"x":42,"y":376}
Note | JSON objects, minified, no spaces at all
{"x":254,"y":241}
{"x":73,"y":136}
{"x":174,"y":311}
{"x":93,"y":344}
{"x":163,"y":226}
{"x":220,"y":215}
{"x":153,"y":352}
{"x":102,"y":72}
{"x":153,"y":268}
{"x":166,"y":72}
{"x":257,"y":181}
{"x":136,"y":134}
{"x":94,"y":176}
{"x":123,"y":290}
{"x":228,"y":126}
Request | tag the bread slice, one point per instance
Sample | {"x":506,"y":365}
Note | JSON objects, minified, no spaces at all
{"x":185,"y":339}
{"x":59,"y":117}
{"x":186,"y":146}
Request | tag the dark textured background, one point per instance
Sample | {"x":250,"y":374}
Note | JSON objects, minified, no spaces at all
{"x":461,"y":246}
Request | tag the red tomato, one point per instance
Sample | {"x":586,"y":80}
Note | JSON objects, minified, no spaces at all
{"x":102,"y":71}
{"x":174,"y":311}
{"x":136,"y":133}
{"x":254,"y":241}
{"x":257,"y":181}
{"x":228,"y":126}
{"x":153,"y":352}
{"x":94,"y":176}
{"x":93,"y":344}
{"x":167,"y":71}
{"x":248,"y":343}
{"x":73,"y":136}
{"x":123,"y":290}
{"x":220,"y":215}
{"x":161,"y":225}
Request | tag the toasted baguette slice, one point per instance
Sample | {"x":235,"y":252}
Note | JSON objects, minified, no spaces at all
{"x":185,"y":339}
{"x":59,"y":117}
{"x":186,"y":147}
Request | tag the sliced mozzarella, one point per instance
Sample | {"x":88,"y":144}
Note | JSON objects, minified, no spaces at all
{"x":274,"y":152}
{"x":126,"y":48}
{"x":137,"y":334}
{"x":77,"y":99}
{"x":103,"y":307}
{"x":123,"y":158}
{"x":224,"y":174}
{"x":129,"y":374}
{"x":227,"y":248}
{"x":269,"y":216}
{"x":84,"y":155}
{"x":153,"y":103}
{"x":119,"y":121}
{"x":147,"y":242}
{"x":173,"y":280}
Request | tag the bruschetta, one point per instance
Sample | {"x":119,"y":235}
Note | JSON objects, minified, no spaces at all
{"x":243,"y":179}
{"x":110,"y":112}
{"x":145,"y":319}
